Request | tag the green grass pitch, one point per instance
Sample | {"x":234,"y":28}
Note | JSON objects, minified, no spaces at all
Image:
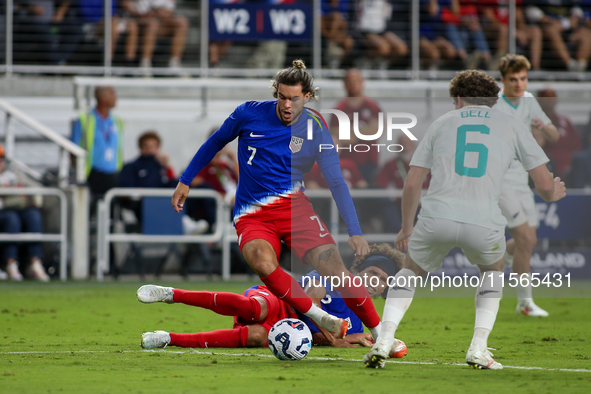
{"x":84,"y":338}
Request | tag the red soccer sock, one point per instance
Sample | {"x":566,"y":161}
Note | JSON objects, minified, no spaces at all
{"x":285,"y":287}
{"x":236,"y":337}
{"x":358,"y":300}
{"x":227,"y":304}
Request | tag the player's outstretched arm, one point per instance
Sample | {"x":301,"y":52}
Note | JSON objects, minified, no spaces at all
{"x":411,"y":195}
{"x":180,"y":195}
{"x":548,"y":187}
{"x":549,"y":131}
{"x":340,"y":192}
{"x":359,"y":245}
{"x":362,"y":338}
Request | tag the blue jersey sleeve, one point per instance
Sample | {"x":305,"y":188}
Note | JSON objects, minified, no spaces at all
{"x":329,"y":163}
{"x":229,"y":130}
{"x":342,"y":197}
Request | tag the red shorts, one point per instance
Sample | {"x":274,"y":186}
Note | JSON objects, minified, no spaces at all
{"x":291,"y":220}
{"x":276,"y":309}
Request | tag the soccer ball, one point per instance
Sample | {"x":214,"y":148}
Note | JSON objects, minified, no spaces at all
{"x":290,"y":339}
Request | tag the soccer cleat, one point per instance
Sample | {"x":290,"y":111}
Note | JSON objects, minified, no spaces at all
{"x":529,"y":308}
{"x":193,"y":227}
{"x":398,"y":349}
{"x":37,"y":271}
{"x":153,"y":293}
{"x":13,"y":272}
{"x":376,"y":358}
{"x":155,"y":340}
{"x":481,"y":360}
{"x":3,"y":275}
{"x":336,"y":326}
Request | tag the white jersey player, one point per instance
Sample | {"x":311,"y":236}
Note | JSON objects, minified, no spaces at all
{"x":517,"y":201}
{"x":468,"y":152}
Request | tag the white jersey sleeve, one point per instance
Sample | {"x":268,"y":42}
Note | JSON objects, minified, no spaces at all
{"x":526,"y":109}
{"x":527,"y":149}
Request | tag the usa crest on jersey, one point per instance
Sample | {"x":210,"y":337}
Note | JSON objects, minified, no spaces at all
{"x":295,"y":145}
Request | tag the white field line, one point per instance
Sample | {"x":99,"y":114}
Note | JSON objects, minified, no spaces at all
{"x":213,"y":353}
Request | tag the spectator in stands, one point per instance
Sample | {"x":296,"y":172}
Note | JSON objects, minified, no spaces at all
{"x":63,"y":33}
{"x":392,"y":176}
{"x":569,"y":142}
{"x":334,"y":29}
{"x":20,"y":213}
{"x":559,"y":20}
{"x":32,"y":29}
{"x":581,"y":168}
{"x":433,"y":43}
{"x":101,"y":134}
{"x":217,"y":49}
{"x":157,"y":18}
{"x":152,"y":169}
{"x":382,"y":44}
{"x":496,"y":23}
{"x":369,"y":112}
{"x":269,"y":53}
{"x":89,"y":17}
{"x":464,"y":29}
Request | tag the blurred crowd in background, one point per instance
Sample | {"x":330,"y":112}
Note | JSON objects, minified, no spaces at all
{"x":367,"y":34}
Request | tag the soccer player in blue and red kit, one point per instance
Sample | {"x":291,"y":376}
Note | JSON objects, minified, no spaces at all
{"x":257,"y":310}
{"x":274,"y":153}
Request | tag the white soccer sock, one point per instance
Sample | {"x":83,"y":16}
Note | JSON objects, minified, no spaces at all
{"x":375,"y":332}
{"x":399,"y":299}
{"x":487,"y":299}
{"x":524,"y":293}
{"x":480,"y":339}
{"x":316,"y":313}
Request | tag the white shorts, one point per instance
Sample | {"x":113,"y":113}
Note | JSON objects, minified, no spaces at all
{"x":519,"y":207}
{"x":433,"y":238}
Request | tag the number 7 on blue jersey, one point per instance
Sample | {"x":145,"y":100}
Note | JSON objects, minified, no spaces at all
{"x":462,"y":147}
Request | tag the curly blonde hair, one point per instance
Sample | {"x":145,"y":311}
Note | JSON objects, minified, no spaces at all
{"x":393,"y":254}
{"x":295,"y":75}
{"x":475,"y":86}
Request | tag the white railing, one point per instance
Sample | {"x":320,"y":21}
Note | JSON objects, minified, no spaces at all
{"x":83,"y":87}
{"x":61,"y":237}
{"x":105,"y":237}
{"x":79,"y":193}
{"x":67,"y":147}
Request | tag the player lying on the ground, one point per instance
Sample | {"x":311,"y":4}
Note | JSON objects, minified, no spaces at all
{"x":461,"y":208}
{"x":257,"y":310}
{"x":275,"y":150}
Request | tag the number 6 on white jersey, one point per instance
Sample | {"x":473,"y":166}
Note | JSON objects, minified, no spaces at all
{"x":254,"y":152}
